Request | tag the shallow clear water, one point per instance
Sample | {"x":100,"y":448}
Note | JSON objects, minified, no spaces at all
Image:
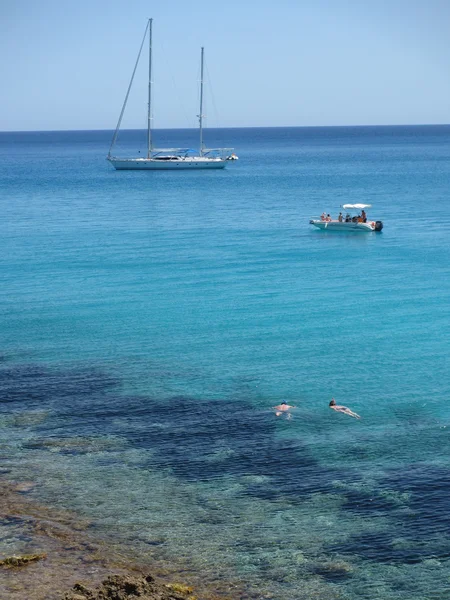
{"x":151,"y":320}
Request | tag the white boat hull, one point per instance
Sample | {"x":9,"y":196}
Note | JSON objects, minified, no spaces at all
{"x":138,"y":164}
{"x":350,"y":226}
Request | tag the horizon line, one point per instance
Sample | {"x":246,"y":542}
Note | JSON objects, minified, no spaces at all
{"x":233,"y":127}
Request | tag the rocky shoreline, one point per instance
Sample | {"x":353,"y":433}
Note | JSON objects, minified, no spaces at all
{"x":119,"y":587}
{"x":54,"y":557}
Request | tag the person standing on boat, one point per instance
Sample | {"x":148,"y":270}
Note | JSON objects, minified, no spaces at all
{"x":342,"y":409}
{"x":363,"y":216}
{"x":340,"y":218}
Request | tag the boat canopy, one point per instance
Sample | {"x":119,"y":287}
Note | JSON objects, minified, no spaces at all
{"x":357,"y":206}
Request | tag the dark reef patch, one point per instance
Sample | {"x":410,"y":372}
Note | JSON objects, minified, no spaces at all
{"x":201,"y":441}
{"x":368,"y":502}
{"x":420,"y":522}
{"x":197,"y":440}
{"x":39,"y":385}
{"x":428,"y":490}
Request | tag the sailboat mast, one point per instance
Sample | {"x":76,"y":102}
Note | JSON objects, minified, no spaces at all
{"x":200,"y":116}
{"x":149,"y":130}
{"x":128,"y":91}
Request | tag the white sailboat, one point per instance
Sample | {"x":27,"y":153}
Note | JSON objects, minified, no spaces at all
{"x":168,"y":158}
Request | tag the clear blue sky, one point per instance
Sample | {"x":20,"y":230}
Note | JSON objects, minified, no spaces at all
{"x":66,"y":65}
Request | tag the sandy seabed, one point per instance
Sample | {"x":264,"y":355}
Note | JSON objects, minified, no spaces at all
{"x":73,"y":564}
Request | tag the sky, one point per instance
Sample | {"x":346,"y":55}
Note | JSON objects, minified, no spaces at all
{"x":66,"y":65}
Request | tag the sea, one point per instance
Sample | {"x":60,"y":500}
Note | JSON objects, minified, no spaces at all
{"x":150,"y":322}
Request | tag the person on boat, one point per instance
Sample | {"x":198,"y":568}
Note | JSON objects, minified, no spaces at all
{"x":342,"y":409}
{"x":363,"y":216}
{"x":323,"y":216}
{"x":283,"y":408}
{"x":328,"y":218}
{"x":340,"y":218}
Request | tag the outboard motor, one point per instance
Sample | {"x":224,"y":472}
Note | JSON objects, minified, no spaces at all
{"x":378,"y":225}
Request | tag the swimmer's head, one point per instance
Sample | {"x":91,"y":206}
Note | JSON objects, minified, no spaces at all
{"x":284,"y":403}
{"x":332,"y":402}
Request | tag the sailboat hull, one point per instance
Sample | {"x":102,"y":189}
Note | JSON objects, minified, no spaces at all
{"x":151,"y":164}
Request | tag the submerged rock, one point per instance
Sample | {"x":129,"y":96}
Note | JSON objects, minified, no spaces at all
{"x":181,"y":588}
{"x":332,"y":570}
{"x":20,"y":561}
{"x":28,"y":418}
{"x":122,"y":587}
{"x":24,"y":486}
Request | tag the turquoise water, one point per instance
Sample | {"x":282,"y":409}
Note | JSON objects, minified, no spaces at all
{"x":151,"y":320}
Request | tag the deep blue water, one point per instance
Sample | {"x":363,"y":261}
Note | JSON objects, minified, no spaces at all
{"x":151,"y":320}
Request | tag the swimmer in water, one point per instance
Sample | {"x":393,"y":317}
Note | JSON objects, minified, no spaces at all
{"x":283,"y":408}
{"x":342,"y":409}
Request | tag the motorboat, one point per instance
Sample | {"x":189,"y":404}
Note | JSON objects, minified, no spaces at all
{"x":355,"y":219}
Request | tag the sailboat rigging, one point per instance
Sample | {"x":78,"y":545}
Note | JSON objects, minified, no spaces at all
{"x":168,"y":158}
